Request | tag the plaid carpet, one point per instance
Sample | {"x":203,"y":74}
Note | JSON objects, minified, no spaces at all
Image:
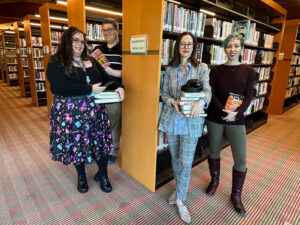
{"x":36,"y":190}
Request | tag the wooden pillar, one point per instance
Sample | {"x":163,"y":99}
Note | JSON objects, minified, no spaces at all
{"x":76,"y":14}
{"x":46,"y":41}
{"x":280,"y":80}
{"x":141,"y":77}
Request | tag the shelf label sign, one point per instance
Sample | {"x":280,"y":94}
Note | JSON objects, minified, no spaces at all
{"x":281,"y":56}
{"x":138,"y":44}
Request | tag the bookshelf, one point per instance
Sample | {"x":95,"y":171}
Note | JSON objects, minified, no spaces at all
{"x":2,"y":65}
{"x":51,"y":34}
{"x":35,"y":60}
{"x":10,"y":58}
{"x":141,"y":77}
{"x":21,"y":52}
{"x":287,"y":80}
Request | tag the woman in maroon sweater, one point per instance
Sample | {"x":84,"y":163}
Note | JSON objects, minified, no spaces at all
{"x":230,"y":77}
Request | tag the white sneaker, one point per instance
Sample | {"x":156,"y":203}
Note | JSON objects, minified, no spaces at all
{"x":172,"y":199}
{"x":184,"y":214}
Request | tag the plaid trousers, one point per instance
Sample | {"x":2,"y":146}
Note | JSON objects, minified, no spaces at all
{"x":182,"y":148}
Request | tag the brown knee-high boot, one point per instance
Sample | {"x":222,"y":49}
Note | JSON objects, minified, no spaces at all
{"x":214,"y":170}
{"x":238,"y":179}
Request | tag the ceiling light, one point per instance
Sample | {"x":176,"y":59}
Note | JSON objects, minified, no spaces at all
{"x":32,"y":23}
{"x":9,"y":32}
{"x":207,"y":12}
{"x":53,"y":17}
{"x":95,"y":9}
{"x":178,"y":3}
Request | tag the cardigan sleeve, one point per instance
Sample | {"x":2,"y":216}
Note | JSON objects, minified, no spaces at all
{"x":61,"y":84}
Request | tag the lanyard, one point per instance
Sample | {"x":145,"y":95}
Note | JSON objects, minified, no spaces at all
{"x":81,"y":65}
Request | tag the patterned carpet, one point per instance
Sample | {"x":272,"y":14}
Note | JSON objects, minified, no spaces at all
{"x":36,"y":190}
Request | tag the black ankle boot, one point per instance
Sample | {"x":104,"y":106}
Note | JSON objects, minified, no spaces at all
{"x":104,"y":182}
{"x":82,"y":186}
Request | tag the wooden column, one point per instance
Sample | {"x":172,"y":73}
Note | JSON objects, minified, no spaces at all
{"x":141,"y":77}
{"x":76,"y":14}
{"x":280,"y":80}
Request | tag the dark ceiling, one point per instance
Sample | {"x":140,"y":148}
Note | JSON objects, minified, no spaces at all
{"x":293,"y":7}
{"x":13,"y":10}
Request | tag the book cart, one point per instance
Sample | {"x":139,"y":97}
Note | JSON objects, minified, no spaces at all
{"x":287,"y":84}
{"x":141,"y":77}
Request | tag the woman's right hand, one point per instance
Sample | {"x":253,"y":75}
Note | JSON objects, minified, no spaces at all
{"x":97,"y":88}
{"x":175,"y":104}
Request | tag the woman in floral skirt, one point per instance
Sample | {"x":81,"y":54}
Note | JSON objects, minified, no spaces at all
{"x":79,"y":128}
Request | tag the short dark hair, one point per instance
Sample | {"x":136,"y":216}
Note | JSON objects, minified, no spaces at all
{"x":112,"y":22}
{"x":65,"y":51}
{"x":234,"y":35}
{"x":176,"y":59}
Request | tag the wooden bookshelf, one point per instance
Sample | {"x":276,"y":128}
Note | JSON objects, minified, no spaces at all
{"x":10,"y":59}
{"x":48,"y":43}
{"x":280,"y":101}
{"x":2,"y":64}
{"x":35,"y":60}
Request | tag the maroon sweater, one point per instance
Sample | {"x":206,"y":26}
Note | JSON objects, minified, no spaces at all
{"x":225,"y":79}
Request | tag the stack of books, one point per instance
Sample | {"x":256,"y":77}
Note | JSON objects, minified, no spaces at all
{"x":187,"y":100}
{"x":107,"y":97}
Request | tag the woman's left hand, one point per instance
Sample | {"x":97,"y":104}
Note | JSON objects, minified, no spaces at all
{"x":231,"y":116}
{"x":197,"y":109}
{"x":121,"y":93}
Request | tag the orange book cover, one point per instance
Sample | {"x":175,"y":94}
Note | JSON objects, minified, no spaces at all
{"x":233,"y":102}
{"x":100,"y":57}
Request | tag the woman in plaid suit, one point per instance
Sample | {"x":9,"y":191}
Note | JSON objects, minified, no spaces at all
{"x":183,"y":132}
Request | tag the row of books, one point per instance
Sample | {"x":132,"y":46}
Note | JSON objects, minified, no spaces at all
{"x":23,"y":42}
{"x":261,"y":88}
{"x":24,"y":62}
{"x":36,"y":41}
{"x":94,"y":32}
{"x":256,"y":104}
{"x":290,"y":92}
{"x":10,"y":45}
{"x":178,"y":19}
{"x":40,"y":86}
{"x":263,"y":72}
{"x":54,"y":49}
{"x":13,"y":76}
{"x":23,"y":52}
{"x":38,"y":64}
{"x":25,"y":73}
{"x":12,"y":68}
{"x":296,"y":48}
{"x":295,"y":70}
{"x":10,"y":60}
{"x":40,"y":75}
{"x":11,"y":53}
{"x":295,"y":60}
{"x":56,"y":36}
{"x":293,"y":81}
{"x":37,"y":52}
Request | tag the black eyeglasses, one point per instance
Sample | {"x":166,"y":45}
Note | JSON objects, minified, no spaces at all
{"x":108,"y":30}
{"x":187,"y":45}
{"x":79,"y":41}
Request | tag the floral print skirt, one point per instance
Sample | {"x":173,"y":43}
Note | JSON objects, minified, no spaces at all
{"x":79,"y":130}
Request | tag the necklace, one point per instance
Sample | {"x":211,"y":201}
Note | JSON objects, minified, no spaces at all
{"x":80,"y":63}
{"x":232,"y":67}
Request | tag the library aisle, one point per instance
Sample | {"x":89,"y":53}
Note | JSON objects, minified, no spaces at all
{"x":36,"y":190}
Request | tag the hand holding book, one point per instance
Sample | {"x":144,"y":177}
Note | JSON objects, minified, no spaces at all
{"x":232,"y":104}
{"x":100,"y":57}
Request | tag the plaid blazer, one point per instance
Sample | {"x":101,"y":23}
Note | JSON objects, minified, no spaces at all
{"x":195,"y":125}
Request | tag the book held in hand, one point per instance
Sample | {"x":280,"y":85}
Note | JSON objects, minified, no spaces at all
{"x":100,"y":57}
{"x":233,"y":102}
{"x":186,"y":102}
{"x":107,"y":97}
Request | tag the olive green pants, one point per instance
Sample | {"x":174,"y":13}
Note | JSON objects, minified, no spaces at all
{"x":236,"y":135}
